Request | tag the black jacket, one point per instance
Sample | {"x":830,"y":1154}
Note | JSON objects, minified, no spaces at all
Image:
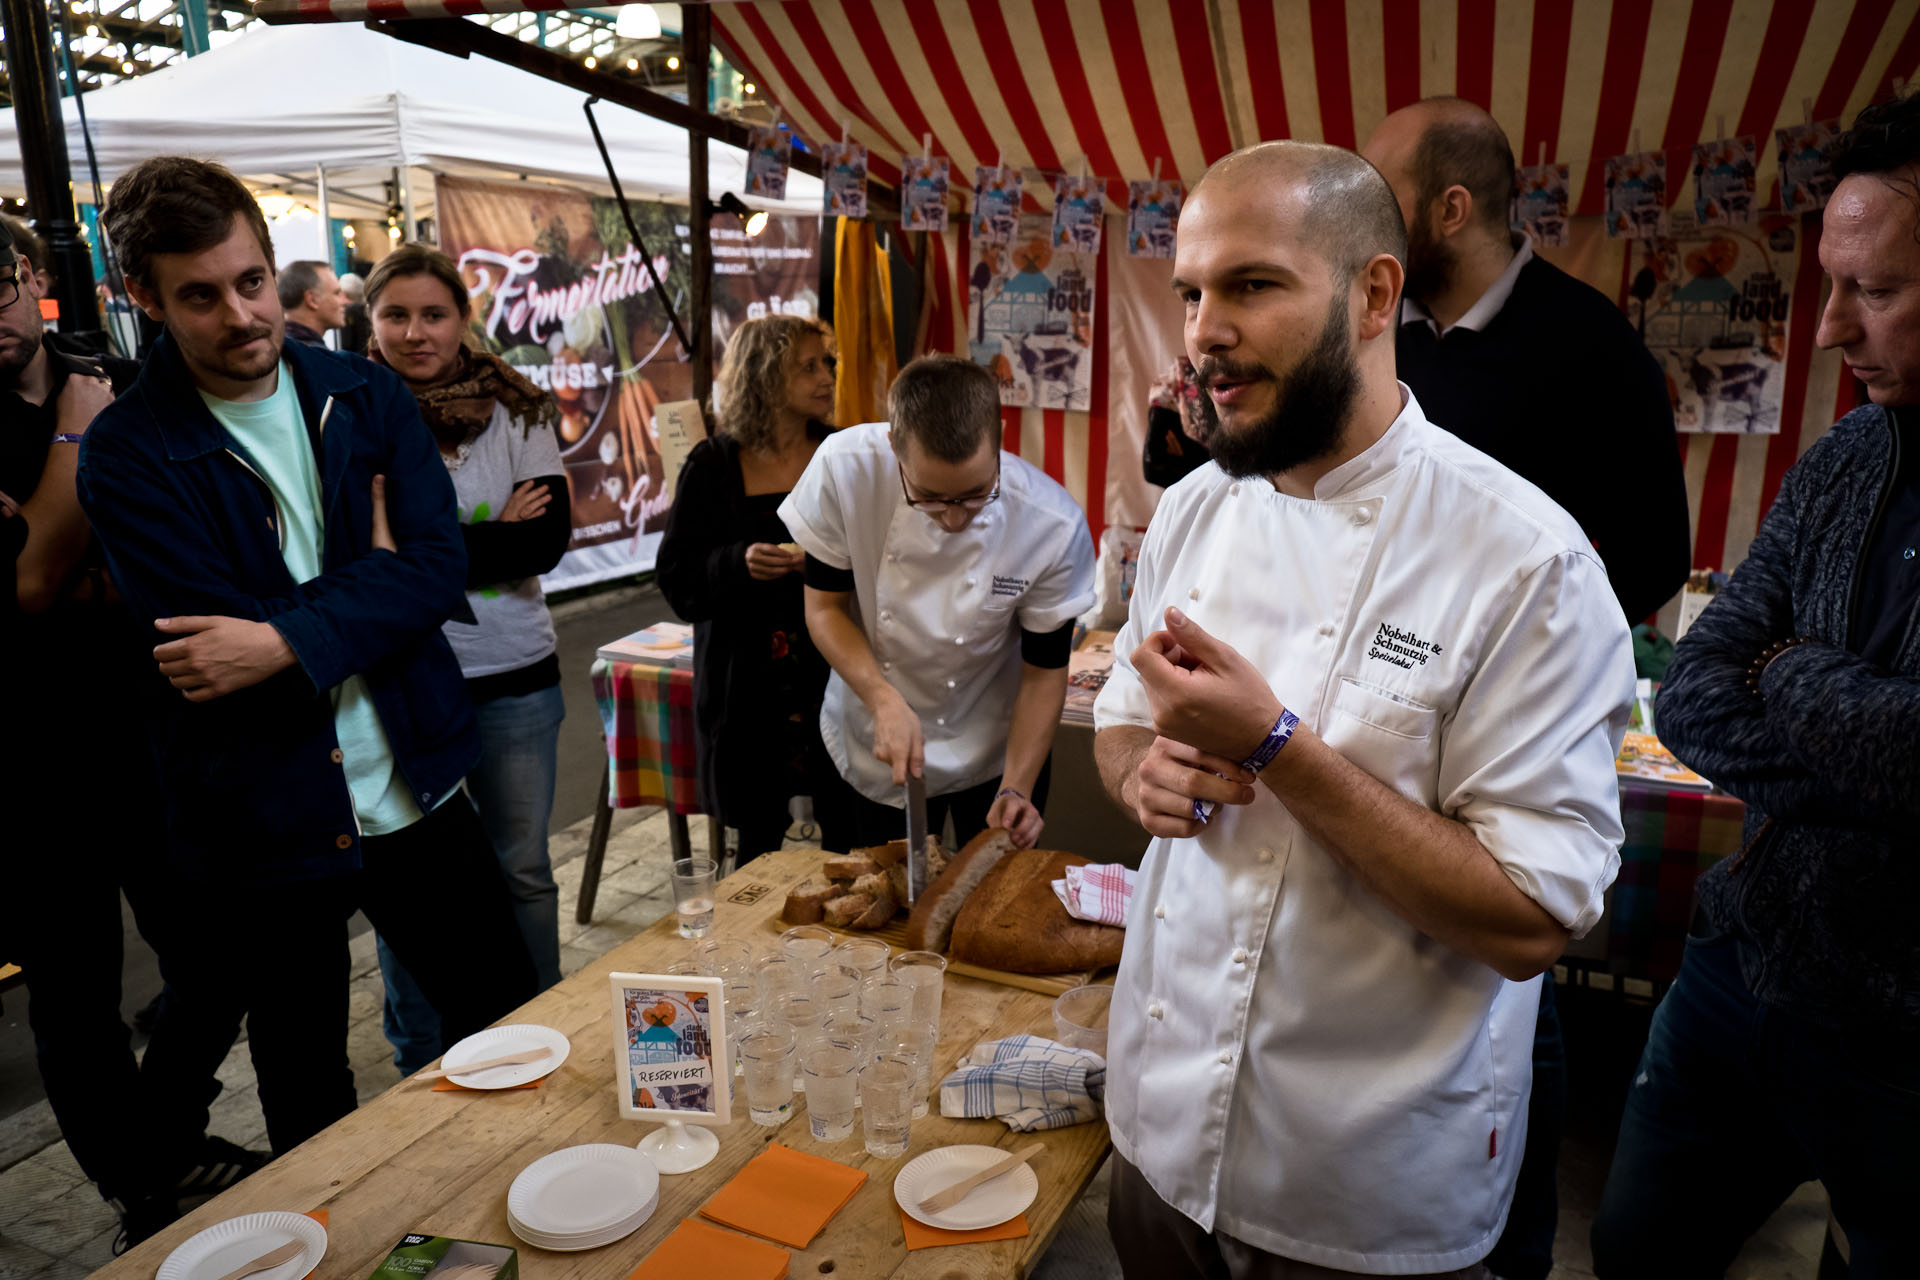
{"x":1822,"y":902}
{"x":741,"y":691}
{"x":1559,"y":388}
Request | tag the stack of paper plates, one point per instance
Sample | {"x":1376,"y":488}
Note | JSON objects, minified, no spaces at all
{"x":583,"y":1197}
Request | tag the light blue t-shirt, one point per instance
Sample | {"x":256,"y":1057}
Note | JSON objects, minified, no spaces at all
{"x":273,"y":436}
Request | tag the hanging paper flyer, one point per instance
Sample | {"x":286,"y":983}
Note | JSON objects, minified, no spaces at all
{"x":1716,"y":319}
{"x":923,"y":193}
{"x":1637,"y":195}
{"x":1032,"y":311}
{"x":1078,"y":204}
{"x":1806,"y":165}
{"x":996,"y":203}
{"x":768,"y":151}
{"x":1723,"y":181}
{"x":1540,"y":204}
{"x":1153,"y":208}
{"x":845,"y":167}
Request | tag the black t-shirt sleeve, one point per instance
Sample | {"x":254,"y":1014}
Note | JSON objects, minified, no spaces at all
{"x":822,"y":576}
{"x":1048,"y":650}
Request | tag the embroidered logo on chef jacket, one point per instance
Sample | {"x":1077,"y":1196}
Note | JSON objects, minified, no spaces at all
{"x":1401,"y":647}
{"x":1011,"y":587}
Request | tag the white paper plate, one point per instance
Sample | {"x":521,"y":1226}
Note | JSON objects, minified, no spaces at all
{"x":583,"y":1191}
{"x":573,"y":1244}
{"x":496,"y":1042}
{"x":985,"y":1206}
{"x":230,"y":1245}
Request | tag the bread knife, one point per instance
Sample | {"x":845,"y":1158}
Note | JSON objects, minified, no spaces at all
{"x":916,"y":838}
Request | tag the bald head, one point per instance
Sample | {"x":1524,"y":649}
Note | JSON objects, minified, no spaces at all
{"x":1439,"y":143}
{"x":1350,"y":215}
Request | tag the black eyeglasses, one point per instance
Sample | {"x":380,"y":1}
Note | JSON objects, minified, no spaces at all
{"x":9,"y":291}
{"x":936,"y":506}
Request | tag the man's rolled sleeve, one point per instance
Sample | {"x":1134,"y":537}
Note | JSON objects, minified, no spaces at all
{"x":1527,"y":759}
{"x":815,"y":514}
{"x":1064,"y":590}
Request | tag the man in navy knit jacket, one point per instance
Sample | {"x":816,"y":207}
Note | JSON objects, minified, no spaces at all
{"x":1789,"y":1046}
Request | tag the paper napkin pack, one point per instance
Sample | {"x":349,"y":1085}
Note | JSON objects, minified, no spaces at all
{"x":419,"y":1254}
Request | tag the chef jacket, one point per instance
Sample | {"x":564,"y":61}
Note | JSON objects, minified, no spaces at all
{"x":1302,"y":1069}
{"x":942,"y":611}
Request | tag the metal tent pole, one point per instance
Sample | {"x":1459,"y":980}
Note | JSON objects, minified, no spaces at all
{"x":43,"y":161}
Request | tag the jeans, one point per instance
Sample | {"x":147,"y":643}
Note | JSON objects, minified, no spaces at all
{"x":1525,"y":1249}
{"x":1736,"y":1103}
{"x":513,"y":788}
{"x":276,"y":955}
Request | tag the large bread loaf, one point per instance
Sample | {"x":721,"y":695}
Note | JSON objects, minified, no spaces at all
{"x":931,"y":924}
{"x":1013,"y":921}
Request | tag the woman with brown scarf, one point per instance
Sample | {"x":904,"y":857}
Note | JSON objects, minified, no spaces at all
{"x":496,"y":435}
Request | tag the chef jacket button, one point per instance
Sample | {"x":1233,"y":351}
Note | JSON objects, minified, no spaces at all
{"x":1193,"y":593}
{"x":941,"y":720}
{"x":952,"y":684}
{"x":1159,"y":913}
{"x":1226,"y":1057}
{"x":1156,"y":1010}
{"x":1265,"y":855}
{"x":1239,"y":955}
{"x":426,"y":798}
{"x":959,"y":639}
{"x":343,"y":842}
{"x":886,"y":615}
{"x":1362,"y":516}
{"x":886,"y":666}
{"x":1326,"y":628}
{"x":1233,"y":490}
{"x":338,"y":755}
{"x":969,"y":581}
{"x":893,"y":556}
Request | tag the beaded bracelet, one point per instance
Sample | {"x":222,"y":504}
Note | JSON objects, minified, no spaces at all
{"x":1758,"y":667}
{"x":1009,"y":791}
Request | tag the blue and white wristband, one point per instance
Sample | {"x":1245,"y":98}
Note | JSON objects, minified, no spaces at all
{"x":1277,"y":738}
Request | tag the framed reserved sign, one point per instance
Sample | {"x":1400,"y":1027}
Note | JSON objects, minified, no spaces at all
{"x":670,"y":1049}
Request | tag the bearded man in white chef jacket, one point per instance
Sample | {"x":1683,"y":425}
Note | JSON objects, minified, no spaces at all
{"x":943,"y":578}
{"x":1372,"y":687}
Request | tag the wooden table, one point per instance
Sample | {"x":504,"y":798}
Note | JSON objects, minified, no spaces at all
{"x":413,"y":1159}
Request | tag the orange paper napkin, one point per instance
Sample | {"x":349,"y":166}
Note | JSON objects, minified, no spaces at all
{"x":320,"y":1216}
{"x":696,"y":1249}
{"x":448,"y":1086}
{"x":922,"y":1236}
{"x":785,"y":1195}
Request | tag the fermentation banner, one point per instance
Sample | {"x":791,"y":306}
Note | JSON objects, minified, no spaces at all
{"x":1031,"y":307}
{"x":844,"y":165}
{"x":561,"y":292}
{"x":1716,"y":320}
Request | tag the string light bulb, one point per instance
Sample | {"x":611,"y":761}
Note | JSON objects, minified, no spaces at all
{"x":673,"y":64}
{"x":126,"y":68}
{"x":748,"y":87}
{"x":393,"y":233}
{"x":592,"y":62}
{"x":633,"y":64}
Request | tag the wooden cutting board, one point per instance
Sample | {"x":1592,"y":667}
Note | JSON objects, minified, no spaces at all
{"x":894,"y":934}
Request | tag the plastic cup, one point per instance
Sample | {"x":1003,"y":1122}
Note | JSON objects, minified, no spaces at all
{"x":837,"y":988}
{"x":767,"y":1051}
{"x":867,"y":957}
{"x":888,"y":1003}
{"x":916,"y":1042}
{"x":886,"y":1106}
{"x":774,"y":975}
{"x":1080,"y":1017}
{"x":926,"y":973}
{"x":739,"y":1005}
{"x":693,"y":895}
{"x":855,"y":1029}
{"x":808,"y":942}
{"x":806,"y":1016}
{"x":724,"y":958}
{"x":832,"y":1073}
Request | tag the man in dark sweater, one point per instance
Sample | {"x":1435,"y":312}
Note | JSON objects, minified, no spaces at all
{"x":1524,"y":362}
{"x":1789,"y":1046}
{"x":1540,"y":371}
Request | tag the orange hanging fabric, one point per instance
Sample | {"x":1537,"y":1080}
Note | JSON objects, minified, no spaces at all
{"x":862,"y":324}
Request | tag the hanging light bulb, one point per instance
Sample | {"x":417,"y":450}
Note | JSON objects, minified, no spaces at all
{"x":592,"y":62}
{"x":393,"y":233}
{"x":757,"y":223}
{"x":748,"y":87}
{"x":633,"y":64}
{"x":126,"y":68}
{"x":673,"y":64}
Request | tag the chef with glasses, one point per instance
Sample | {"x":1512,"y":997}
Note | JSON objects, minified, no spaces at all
{"x":943,"y":577}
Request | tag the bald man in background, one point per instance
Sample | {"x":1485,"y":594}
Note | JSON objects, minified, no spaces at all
{"x":1367,"y":701}
{"x":1541,"y":371}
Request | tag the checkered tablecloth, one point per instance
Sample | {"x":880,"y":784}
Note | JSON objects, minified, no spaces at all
{"x":646,"y":712}
{"x":1672,"y":836}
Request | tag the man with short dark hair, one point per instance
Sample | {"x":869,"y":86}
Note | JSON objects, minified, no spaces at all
{"x":75,"y":666}
{"x":357,"y":331}
{"x":967,"y":567}
{"x":282,"y":518}
{"x":314,"y":302}
{"x":1367,"y":702}
{"x":1788,"y":1048}
{"x":1524,"y":362}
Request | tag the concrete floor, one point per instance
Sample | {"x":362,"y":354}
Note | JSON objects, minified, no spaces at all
{"x":54,"y":1227}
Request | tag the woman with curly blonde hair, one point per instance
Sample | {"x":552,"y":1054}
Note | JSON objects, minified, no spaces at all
{"x":728,"y":565}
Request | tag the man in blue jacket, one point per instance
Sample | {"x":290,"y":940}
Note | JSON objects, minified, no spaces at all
{"x":1789,"y":1046}
{"x":317,"y":730}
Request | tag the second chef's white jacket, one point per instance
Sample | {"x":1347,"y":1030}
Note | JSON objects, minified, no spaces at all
{"x":1297,"y":1066}
{"x":942,"y":611}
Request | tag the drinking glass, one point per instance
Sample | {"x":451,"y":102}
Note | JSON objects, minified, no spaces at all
{"x":886,"y":1105}
{"x":724,"y":958}
{"x":917,"y":1041}
{"x":888,"y":1003}
{"x":805,"y":1015}
{"x":768,"y":1052}
{"x":855,"y":1029}
{"x":775,"y":975}
{"x":693,"y":895}
{"x":837,"y":988}
{"x":867,"y":957}
{"x":807,"y":942}
{"x":926,"y":973}
{"x":832,"y":1073}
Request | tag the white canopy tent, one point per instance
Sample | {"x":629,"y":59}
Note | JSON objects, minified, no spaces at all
{"x":278,"y":103}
